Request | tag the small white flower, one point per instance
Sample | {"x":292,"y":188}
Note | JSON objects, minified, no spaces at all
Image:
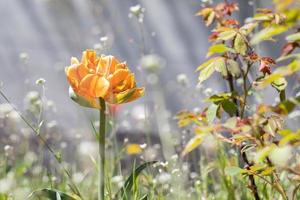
{"x":164,"y":178}
{"x":40,"y":81}
{"x":8,"y":150}
{"x":182,"y":79}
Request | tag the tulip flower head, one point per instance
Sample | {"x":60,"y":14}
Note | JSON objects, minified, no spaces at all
{"x":104,"y":77}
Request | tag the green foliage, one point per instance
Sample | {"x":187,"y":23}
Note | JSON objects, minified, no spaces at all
{"x":52,"y":195}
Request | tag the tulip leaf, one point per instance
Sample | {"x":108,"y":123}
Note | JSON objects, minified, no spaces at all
{"x":52,"y":194}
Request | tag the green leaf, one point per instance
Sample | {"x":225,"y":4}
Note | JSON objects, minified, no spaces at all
{"x":233,"y":170}
{"x":205,"y":64}
{"x":218,"y":98}
{"x":220,"y":66}
{"x":218,"y":48}
{"x":211,"y":112}
{"x":291,"y":56}
{"x":231,"y":123}
{"x":210,"y":18}
{"x":240,"y":45}
{"x":126,"y":189}
{"x":229,"y":107}
{"x":233,"y":68}
{"x":53,"y":195}
{"x":145,"y":197}
{"x":248,"y":28}
{"x":206,"y":73}
{"x":293,"y":37}
{"x":279,"y":84}
{"x":287,"y":106}
{"x":267,"y":34}
{"x":193,"y":144}
{"x":263,"y":153}
{"x":227,"y":35}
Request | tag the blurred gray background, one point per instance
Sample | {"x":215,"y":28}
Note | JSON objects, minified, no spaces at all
{"x":38,"y":38}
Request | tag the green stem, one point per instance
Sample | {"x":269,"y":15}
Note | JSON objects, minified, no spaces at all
{"x":102,"y":149}
{"x":282,"y":95}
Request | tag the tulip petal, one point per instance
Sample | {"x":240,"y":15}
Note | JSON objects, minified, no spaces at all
{"x":74,"y":74}
{"x":118,"y":78}
{"x":107,"y":64}
{"x":74,"y":60}
{"x":84,"y":101}
{"x":94,"y":85}
{"x":101,"y":87}
{"x":89,"y":58}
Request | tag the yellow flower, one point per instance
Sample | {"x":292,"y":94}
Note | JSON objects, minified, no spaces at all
{"x":132,"y":149}
{"x":94,"y":77}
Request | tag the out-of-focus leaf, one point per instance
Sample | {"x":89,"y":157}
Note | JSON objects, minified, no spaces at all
{"x":206,"y":64}
{"x":126,"y":189}
{"x":293,"y":37}
{"x":229,"y":107}
{"x":279,"y":73}
{"x":145,"y":197}
{"x":291,"y":56}
{"x":267,"y":171}
{"x":218,"y":48}
{"x":186,"y":118}
{"x":290,"y":137}
{"x":274,"y":124}
{"x":53,"y":195}
{"x":206,"y":72}
{"x":233,"y":170}
{"x":267,"y":34}
{"x":230,"y":123}
{"x":218,"y":98}
{"x":211,"y":112}
{"x":227,"y":35}
{"x":240,"y":45}
{"x":233,"y":68}
{"x":263,"y":153}
{"x":220,"y":66}
{"x":248,"y":28}
{"x":210,"y":18}
{"x":193,"y":144}
{"x":287,"y":106}
{"x":279,"y":84}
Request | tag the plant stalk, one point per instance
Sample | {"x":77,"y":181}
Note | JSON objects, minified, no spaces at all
{"x":101,"y":144}
{"x":243,"y":155}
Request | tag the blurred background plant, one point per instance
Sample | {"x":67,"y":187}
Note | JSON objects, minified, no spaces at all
{"x":163,"y":42}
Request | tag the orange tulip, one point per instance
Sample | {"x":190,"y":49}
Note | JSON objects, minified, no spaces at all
{"x":104,"y":77}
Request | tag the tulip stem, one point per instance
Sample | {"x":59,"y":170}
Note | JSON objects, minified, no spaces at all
{"x":101,"y":141}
